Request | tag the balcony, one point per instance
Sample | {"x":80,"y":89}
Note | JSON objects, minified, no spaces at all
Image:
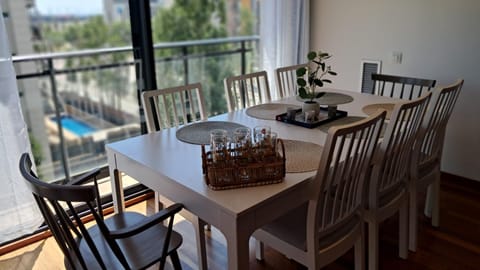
{"x":74,"y":103}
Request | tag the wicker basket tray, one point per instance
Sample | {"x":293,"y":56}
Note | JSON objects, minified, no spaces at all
{"x":259,"y":166}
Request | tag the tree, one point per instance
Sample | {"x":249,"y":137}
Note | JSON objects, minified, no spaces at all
{"x":195,"y":20}
{"x":95,"y":33}
{"x":190,"y":20}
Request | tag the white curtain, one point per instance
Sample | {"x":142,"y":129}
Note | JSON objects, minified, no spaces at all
{"x":284,"y":34}
{"x":19,"y":214}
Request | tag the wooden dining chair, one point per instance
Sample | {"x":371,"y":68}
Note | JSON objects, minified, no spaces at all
{"x":427,"y":156}
{"x":331,"y":222}
{"x":400,"y":87}
{"x":287,"y":80}
{"x":123,"y":241}
{"x":247,"y":90}
{"x":388,"y":182}
{"x":172,"y":107}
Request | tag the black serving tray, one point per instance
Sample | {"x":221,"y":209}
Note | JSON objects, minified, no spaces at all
{"x":323,"y":118}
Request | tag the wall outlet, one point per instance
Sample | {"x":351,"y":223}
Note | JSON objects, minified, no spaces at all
{"x":397,"y":57}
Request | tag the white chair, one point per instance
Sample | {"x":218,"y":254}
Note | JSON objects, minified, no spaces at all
{"x":171,"y":107}
{"x":388,"y":187}
{"x":247,"y":90}
{"x":425,"y":171}
{"x":287,"y":80}
{"x":330,"y":224}
{"x":400,"y":87}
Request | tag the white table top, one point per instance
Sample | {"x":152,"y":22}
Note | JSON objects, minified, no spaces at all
{"x":180,"y":163}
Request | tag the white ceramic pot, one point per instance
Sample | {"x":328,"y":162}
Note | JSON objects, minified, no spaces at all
{"x":311,"y":106}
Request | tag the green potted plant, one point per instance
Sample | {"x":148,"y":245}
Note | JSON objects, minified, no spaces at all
{"x":308,"y":78}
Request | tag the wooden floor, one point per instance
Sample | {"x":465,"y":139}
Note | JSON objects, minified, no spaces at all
{"x":455,"y":245}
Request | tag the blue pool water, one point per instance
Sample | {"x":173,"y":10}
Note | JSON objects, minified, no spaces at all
{"x":75,"y":126}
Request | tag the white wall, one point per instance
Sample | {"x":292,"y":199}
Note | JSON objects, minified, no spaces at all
{"x":439,"y":39}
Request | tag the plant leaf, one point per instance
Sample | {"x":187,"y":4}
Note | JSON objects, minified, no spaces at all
{"x":301,"y":82}
{"x":323,"y":66}
{"x":332,"y":73}
{"x":302,"y":93}
{"x":301,"y":71}
{"x":319,"y":94}
{"x":311,"y":55}
{"x":311,"y":79}
{"x":318,"y":82}
{"x":326,"y":81}
{"x":323,"y":54}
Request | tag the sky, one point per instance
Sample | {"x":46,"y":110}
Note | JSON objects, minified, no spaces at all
{"x":77,"y":7}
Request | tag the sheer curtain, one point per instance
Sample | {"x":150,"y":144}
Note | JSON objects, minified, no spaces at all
{"x":284,"y":34}
{"x":19,"y":214}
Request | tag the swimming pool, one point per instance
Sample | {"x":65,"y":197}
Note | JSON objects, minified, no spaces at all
{"x":75,"y":126}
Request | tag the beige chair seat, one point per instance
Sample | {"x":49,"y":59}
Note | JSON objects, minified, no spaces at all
{"x":292,"y":228}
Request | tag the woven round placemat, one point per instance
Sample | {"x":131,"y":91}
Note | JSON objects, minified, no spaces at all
{"x":302,"y":156}
{"x":331,"y":99}
{"x":341,"y":121}
{"x":372,"y":108}
{"x":199,"y":132}
{"x":268,"y":111}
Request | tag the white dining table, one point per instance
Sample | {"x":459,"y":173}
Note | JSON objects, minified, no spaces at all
{"x":174,"y":169}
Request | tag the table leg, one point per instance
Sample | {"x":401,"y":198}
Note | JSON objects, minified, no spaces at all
{"x":199,"y":226}
{"x":238,"y":250}
{"x":117,"y":190}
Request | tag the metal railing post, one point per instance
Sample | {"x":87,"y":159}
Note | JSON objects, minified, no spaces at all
{"x":243,"y":58}
{"x":186,"y":81}
{"x":243,"y":69}
{"x":58,"y":119}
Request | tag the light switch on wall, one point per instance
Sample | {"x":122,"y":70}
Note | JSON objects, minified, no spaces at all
{"x":397,"y":57}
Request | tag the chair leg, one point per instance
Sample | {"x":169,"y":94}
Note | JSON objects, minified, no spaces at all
{"x":259,"y":250}
{"x":373,"y":245}
{"x":359,"y":250}
{"x":158,"y":202}
{"x":428,"y":202}
{"x":403,"y":231}
{"x":175,"y":260}
{"x":436,"y":200}
{"x":161,"y":265}
{"x":413,"y":219}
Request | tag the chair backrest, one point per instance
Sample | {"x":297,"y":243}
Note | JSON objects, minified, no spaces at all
{"x":170,"y":107}
{"x":428,"y":147}
{"x":338,"y":188}
{"x":400,"y":87}
{"x":392,"y":159}
{"x":246,"y":90}
{"x":287,"y":80}
{"x":52,"y":199}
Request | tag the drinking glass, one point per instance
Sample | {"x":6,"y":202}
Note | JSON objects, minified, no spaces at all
{"x":218,"y":144}
{"x":241,"y":141}
{"x":272,"y":140}
{"x":218,"y":132}
{"x":260,"y":133}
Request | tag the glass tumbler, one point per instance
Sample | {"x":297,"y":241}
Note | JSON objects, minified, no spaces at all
{"x":218,"y":144}
{"x":241,"y":141}
{"x":260,"y":133}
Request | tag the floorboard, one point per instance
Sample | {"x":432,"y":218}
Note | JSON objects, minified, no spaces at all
{"x":454,"y":245}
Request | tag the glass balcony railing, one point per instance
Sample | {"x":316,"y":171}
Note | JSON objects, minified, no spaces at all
{"x":74,"y":103}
